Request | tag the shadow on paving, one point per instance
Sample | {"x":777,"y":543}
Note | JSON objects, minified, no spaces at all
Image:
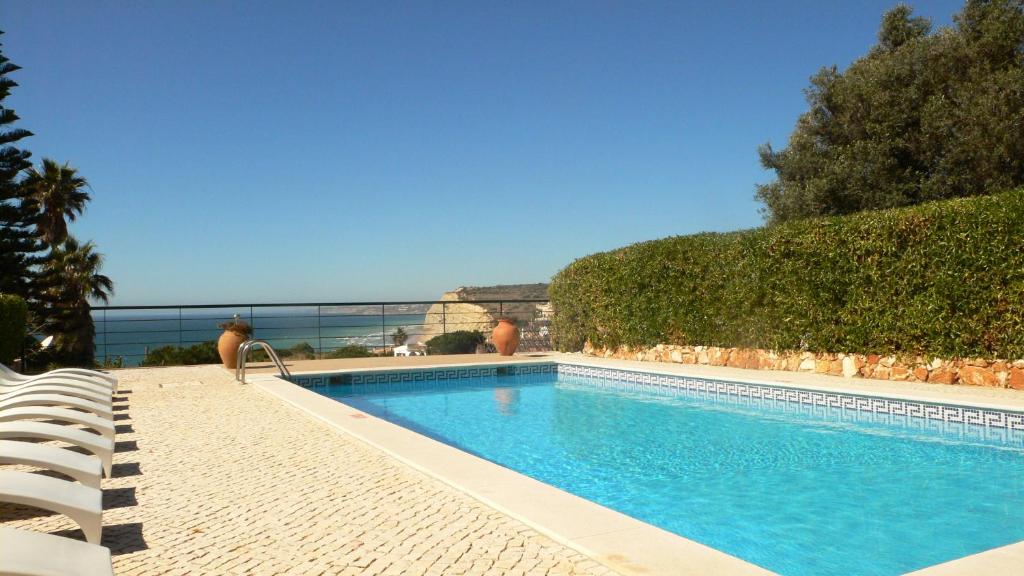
{"x":119,"y":498}
{"x":126,"y":446}
{"x":125,"y":469}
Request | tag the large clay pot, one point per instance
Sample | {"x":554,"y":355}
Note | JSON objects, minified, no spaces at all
{"x":506,"y":337}
{"x":227,"y":347}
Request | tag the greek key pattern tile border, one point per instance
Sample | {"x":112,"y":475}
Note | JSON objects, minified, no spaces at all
{"x":929,"y":411}
{"x":425,"y":375}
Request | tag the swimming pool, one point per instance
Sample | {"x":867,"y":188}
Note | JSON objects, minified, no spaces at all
{"x":796,"y":481}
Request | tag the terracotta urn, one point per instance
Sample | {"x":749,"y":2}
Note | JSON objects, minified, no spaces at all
{"x":506,"y":336}
{"x":227,"y":347}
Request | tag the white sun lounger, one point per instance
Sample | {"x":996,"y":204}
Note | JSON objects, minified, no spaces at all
{"x":94,"y":443}
{"x":58,"y":400}
{"x":6,"y":374}
{"x":25,"y":553}
{"x":90,"y":385}
{"x":82,"y":504}
{"x":82,"y":467}
{"x":105,"y":400}
{"x":101,"y":425}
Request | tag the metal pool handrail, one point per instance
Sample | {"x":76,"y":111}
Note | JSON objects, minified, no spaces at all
{"x":243,"y":352}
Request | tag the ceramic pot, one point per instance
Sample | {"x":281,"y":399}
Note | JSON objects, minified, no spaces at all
{"x":506,"y":337}
{"x":227,"y":347}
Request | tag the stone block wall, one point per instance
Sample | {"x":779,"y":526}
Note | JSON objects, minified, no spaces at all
{"x":970,"y":371}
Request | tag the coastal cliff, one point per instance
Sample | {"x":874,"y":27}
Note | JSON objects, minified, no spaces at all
{"x":478,"y":308}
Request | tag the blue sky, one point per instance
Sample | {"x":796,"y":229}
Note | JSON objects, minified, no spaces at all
{"x":330,"y":151}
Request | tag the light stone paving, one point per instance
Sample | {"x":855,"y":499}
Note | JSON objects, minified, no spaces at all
{"x":212,"y":477}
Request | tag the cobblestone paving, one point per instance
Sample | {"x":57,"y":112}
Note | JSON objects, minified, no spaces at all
{"x":215,"y":478}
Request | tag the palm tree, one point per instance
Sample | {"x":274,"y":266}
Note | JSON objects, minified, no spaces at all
{"x":58,"y":195}
{"x":400,"y":337}
{"x":70,"y":278}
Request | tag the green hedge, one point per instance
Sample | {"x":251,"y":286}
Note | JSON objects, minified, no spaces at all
{"x":457,"y":342}
{"x":202,"y":353}
{"x":943,"y":278}
{"x":350,"y":351}
{"x":13,"y":322}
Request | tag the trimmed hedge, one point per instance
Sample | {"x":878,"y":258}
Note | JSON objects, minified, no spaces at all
{"x":13,"y":323}
{"x":457,"y":342}
{"x":350,"y":351}
{"x":942,"y":278}
{"x":202,"y":353}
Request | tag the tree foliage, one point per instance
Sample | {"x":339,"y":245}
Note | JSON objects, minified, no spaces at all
{"x":923,"y":116}
{"x":35,"y":208}
{"x":457,"y":342}
{"x":350,"y":351}
{"x":68,"y":279}
{"x":202,"y":353}
{"x":13,"y":321}
{"x":57,"y":195}
{"x":18,"y":243}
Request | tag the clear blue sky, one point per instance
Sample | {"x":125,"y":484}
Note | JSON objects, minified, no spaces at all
{"x":330,"y":151}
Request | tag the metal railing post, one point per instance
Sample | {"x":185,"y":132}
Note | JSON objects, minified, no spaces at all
{"x":444,"y":318}
{"x":319,"y":337}
{"x":383,"y":331}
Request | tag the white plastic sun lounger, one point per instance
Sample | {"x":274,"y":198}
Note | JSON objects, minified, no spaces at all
{"x":82,"y":467}
{"x":25,"y":553}
{"x":94,"y":443}
{"x":6,"y":374}
{"x":88,"y":385}
{"x":102,"y":426}
{"x":82,"y":504}
{"x":105,"y":400}
{"x":58,"y":400}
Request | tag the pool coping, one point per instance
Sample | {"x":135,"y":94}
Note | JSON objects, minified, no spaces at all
{"x":620,"y":542}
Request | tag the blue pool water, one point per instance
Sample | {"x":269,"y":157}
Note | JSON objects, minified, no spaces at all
{"x":797,"y":490}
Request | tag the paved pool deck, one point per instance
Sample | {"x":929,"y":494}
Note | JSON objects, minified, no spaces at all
{"x":213,"y":477}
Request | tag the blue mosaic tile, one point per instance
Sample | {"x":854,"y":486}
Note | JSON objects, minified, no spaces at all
{"x":648,"y":381}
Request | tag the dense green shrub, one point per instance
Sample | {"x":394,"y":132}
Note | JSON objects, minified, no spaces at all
{"x":944,"y":278}
{"x":300,"y":351}
{"x":350,"y":351}
{"x":924,"y":115}
{"x":457,"y":342}
{"x":203,"y":353}
{"x":13,"y":320}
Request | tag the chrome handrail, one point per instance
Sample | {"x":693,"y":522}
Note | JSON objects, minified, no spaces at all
{"x":243,"y":352}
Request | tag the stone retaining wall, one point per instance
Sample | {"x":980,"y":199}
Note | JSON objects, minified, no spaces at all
{"x":971,"y":371}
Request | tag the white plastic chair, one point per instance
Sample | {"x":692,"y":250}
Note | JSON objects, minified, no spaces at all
{"x":58,"y":400}
{"x":99,"y":398}
{"x":102,"y":426}
{"x":102,"y":447}
{"x":82,"y":467}
{"x":26,"y":553}
{"x":97,"y":386}
{"x":8,"y":375}
{"x":82,"y":504}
